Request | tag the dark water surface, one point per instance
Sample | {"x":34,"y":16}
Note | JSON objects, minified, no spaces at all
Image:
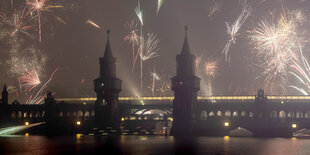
{"x":151,"y":145}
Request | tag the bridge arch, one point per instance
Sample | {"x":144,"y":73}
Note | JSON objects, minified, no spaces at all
{"x":211,"y":114}
{"x":219,"y":113}
{"x":203,"y":115}
{"x":290,"y":115}
{"x":235,"y":114}
{"x":243,"y":113}
{"x":299,"y":114}
{"x":92,"y":114}
{"x":61,"y":114}
{"x":251,"y":114}
{"x":13,"y":114}
{"x":282,"y":114}
{"x":86,"y":115}
{"x":274,"y":114}
{"x":227,"y":113}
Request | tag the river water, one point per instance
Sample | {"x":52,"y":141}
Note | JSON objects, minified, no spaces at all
{"x":80,"y":144}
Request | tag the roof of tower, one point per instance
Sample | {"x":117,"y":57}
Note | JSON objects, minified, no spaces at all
{"x":185,"y":49}
{"x":108,"y":52}
{"x":4,"y":88}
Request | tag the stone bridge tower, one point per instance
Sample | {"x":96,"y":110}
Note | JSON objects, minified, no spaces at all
{"x":185,"y":86}
{"x":107,"y":87}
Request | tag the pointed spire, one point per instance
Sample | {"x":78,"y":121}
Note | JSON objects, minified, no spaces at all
{"x":4,"y":88}
{"x":108,"y":51}
{"x":185,"y":49}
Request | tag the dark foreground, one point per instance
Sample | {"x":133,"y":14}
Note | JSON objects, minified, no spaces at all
{"x":151,"y":145}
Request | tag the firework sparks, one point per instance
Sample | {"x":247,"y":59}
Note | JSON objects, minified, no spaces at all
{"x":89,"y":21}
{"x":147,"y":50}
{"x":155,"y":77}
{"x":139,"y":13}
{"x":29,"y":80}
{"x":37,"y":7}
{"x":210,"y":68}
{"x":133,"y":39}
{"x":277,"y":45}
{"x":18,"y":22}
{"x":233,"y":29}
{"x":38,"y":98}
{"x":159,"y":4}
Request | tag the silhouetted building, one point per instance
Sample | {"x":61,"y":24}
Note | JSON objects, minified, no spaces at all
{"x":185,"y":86}
{"x":107,"y":87}
{"x":5,"y":95}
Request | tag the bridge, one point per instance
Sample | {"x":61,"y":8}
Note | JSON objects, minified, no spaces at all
{"x":185,"y":113}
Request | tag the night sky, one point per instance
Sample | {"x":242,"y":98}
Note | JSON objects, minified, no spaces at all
{"x":74,"y":46}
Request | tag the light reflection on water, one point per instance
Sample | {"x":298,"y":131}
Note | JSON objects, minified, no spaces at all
{"x":151,"y":145}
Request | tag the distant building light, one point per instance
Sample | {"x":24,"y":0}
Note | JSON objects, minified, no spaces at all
{"x":282,"y":102}
{"x":294,"y":126}
{"x":84,"y":103}
{"x":26,"y":123}
{"x":123,"y":119}
{"x":102,"y":84}
{"x":26,"y":134}
{"x":226,"y":124}
{"x":78,"y":123}
{"x":226,"y":137}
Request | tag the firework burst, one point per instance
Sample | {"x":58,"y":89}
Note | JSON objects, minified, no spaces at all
{"x":91,"y":22}
{"x":18,"y":22}
{"x":139,"y":13}
{"x":277,"y":47}
{"x":37,"y":7}
{"x":159,"y":4}
{"x":147,"y":50}
{"x":233,"y":29}
{"x":39,"y":96}
{"x":29,"y":80}
{"x":133,"y":39}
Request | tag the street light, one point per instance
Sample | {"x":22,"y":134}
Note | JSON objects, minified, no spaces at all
{"x":294,"y":126}
{"x":78,"y":123}
{"x":26,"y":123}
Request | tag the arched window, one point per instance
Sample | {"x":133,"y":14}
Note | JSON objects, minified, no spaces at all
{"x":227,"y":114}
{"x":235,"y":114}
{"x":219,"y":113}
{"x":273,"y":114}
{"x":243,"y":113}
{"x":251,"y":114}
{"x":282,"y":114}
{"x":86,"y":115}
{"x":211,"y":114}
{"x":92,"y":113}
{"x":299,"y":114}
{"x":203,"y":115}
{"x":13,"y":114}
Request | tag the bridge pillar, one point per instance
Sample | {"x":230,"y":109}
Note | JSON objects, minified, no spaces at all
{"x":262,"y":124}
{"x":50,"y":109}
{"x":107,"y":87}
{"x":185,"y":86}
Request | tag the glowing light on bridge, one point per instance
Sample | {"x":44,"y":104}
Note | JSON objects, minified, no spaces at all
{"x":294,"y":126}
{"x":26,"y":123}
{"x":226,"y":124}
{"x":78,"y":123}
{"x":213,"y":98}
